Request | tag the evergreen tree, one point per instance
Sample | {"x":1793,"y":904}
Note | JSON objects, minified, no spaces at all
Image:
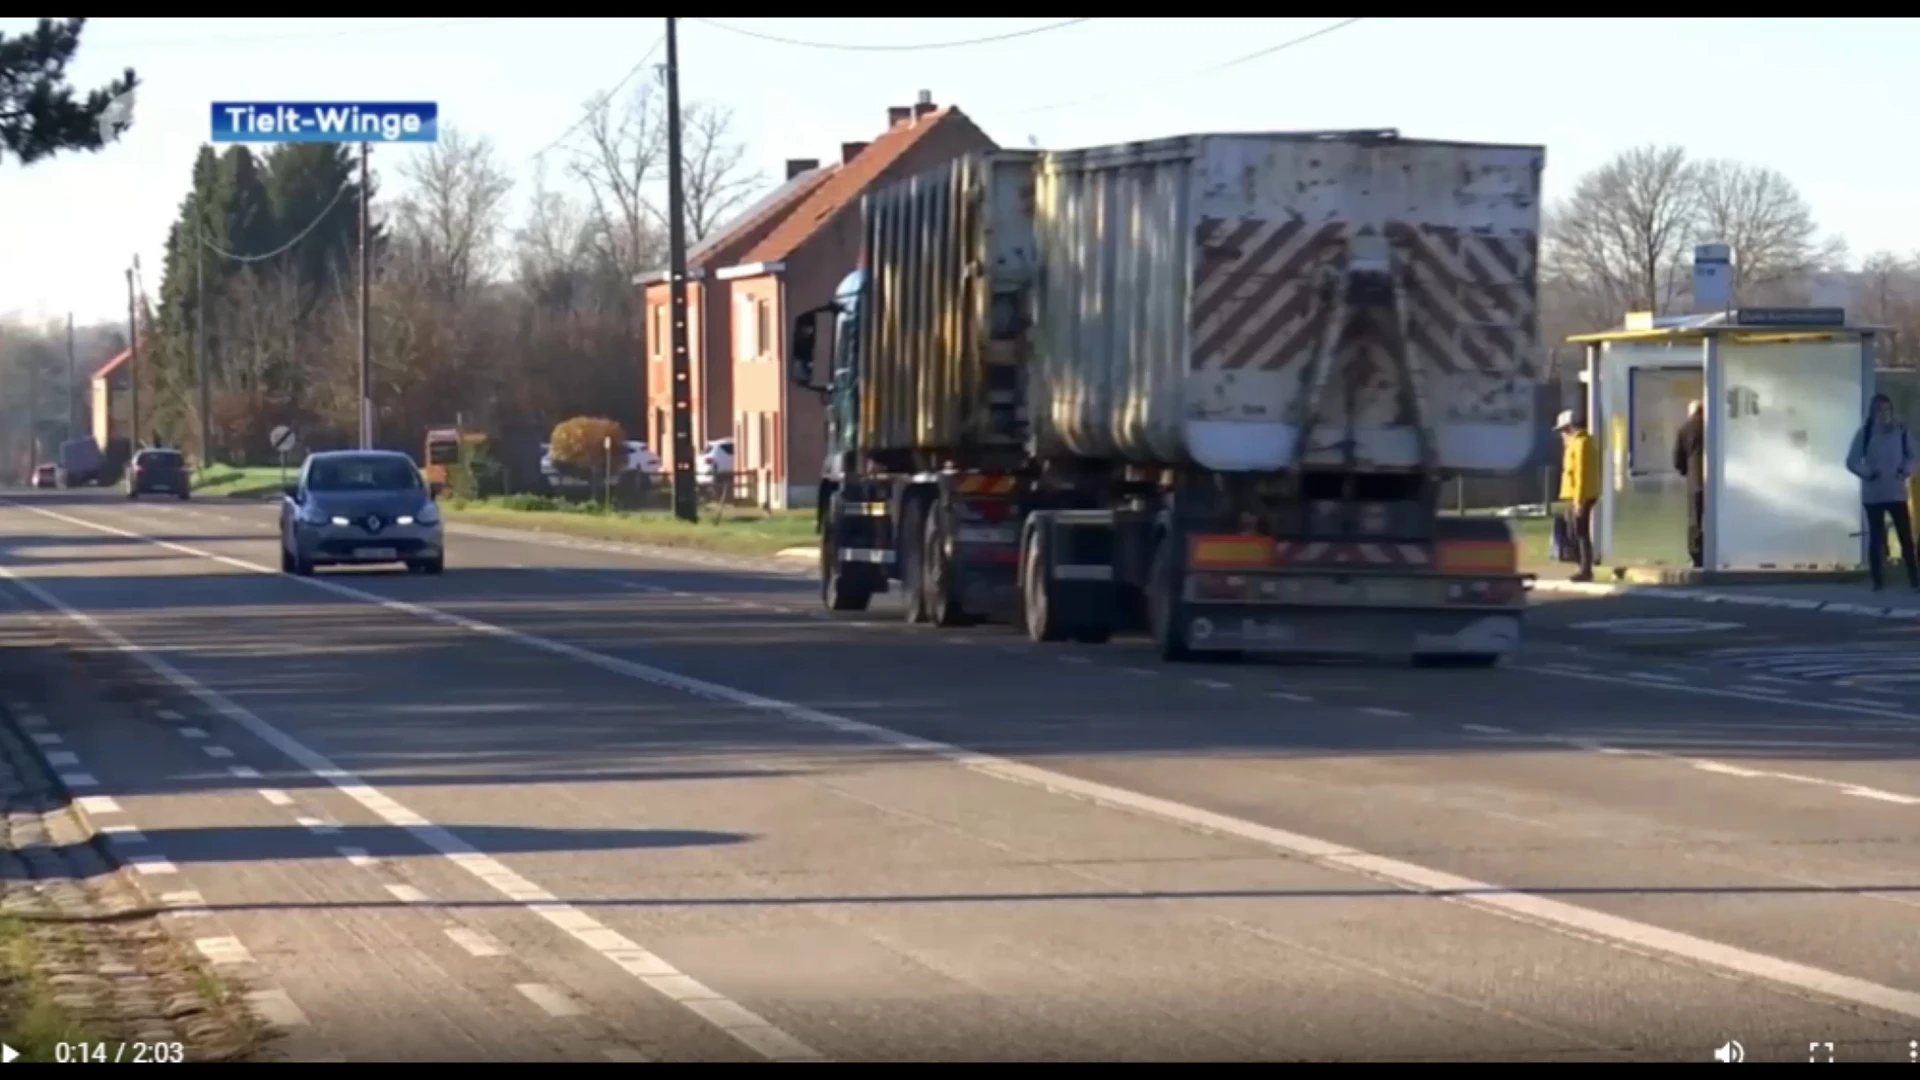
{"x":302,"y":181}
{"x":38,"y":114}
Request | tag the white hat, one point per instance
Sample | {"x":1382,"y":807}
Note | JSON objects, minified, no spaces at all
{"x":1564,"y":420}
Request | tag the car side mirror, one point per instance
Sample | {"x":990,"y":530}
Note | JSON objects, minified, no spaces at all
{"x":435,"y":489}
{"x":800,"y":353}
{"x":291,"y":491}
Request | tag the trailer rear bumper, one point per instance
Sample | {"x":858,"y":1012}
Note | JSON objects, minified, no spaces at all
{"x":1329,"y":631}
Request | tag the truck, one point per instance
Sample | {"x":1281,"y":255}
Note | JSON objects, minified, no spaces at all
{"x":1208,"y":387}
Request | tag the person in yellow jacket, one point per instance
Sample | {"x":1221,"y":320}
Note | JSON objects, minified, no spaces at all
{"x":1579,"y":486}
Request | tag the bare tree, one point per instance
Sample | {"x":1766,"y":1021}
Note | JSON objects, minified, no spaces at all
{"x":552,"y":250}
{"x":1763,"y":217}
{"x":716,"y":186}
{"x":1622,"y":238}
{"x":455,"y":211}
{"x":620,"y":155}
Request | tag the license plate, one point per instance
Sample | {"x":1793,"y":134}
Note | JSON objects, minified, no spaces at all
{"x":1323,"y":591}
{"x":377,"y":553}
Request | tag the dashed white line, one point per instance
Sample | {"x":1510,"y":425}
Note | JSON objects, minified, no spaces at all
{"x":1288,"y":695}
{"x":216,"y":751}
{"x":46,"y":738}
{"x":123,"y":834}
{"x":1882,"y":796}
{"x":276,"y":796}
{"x":152,"y":865}
{"x":62,"y":757}
{"x":475,"y":942}
{"x":358,"y":857}
{"x":1775,"y":679}
{"x":551,"y":1001}
{"x":1486,"y":729}
{"x":1868,"y":703}
{"x":1727,"y":770}
{"x":277,"y":1009}
{"x":1075,"y":660}
{"x":407,"y":894}
{"x":99,"y":804}
{"x":33,"y":720}
{"x":1753,"y":688}
{"x":1213,"y":684}
{"x":1653,"y":676}
{"x":768,"y":1040}
{"x":79,"y":780}
{"x":320,"y":826}
{"x":1139,"y":671}
{"x":169,"y":714}
{"x":243,"y":772}
{"x":192,"y":733}
{"x":223,"y":951}
{"x":185,"y":903}
{"x":1377,"y":710}
{"x":1567,"y":667}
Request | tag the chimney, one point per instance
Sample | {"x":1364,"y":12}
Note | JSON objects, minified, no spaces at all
{"x":849,"y":151}
{"x":897,"y":115}
{"x":924,"y":105}
{"x":796,"y":166}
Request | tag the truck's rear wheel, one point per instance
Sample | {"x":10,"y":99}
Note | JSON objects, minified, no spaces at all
{"x":936,"y":560}
{"x":1039,"y":613}
{"x":837,"y":592}
{"x":913,"y":559}
{"x":1163,"y":605}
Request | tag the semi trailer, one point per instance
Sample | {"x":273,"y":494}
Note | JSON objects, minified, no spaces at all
{"x":1208,"y":386}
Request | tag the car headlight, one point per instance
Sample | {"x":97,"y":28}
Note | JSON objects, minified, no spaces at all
{"x":310,"y":516}
{"x":338,"y":520}
{"x":426,"y":515}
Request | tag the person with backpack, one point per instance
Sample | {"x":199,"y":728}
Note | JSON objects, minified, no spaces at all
{"x":1882,"y":457}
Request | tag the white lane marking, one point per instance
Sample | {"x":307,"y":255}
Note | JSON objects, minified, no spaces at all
{"x":1882,"y":796}
{"x":1213,"y":684}
{"x":626,"y":1055}
{"x":169,"y":714}
{"x":46,"y":738}
{"x":243,"y":772}
{"x":79,"y":780}
{"x":1139,"y":671}
{"x":1376,"y":710}
{"x":152,"y":865}
{"x":551,"y":1001}
{"x":1727,"y":770}
{"x":33,"y":720}
{"x":277,"y":1009}
{"x":1867,"y":702}
{"x":99,"y":804}
{"x":653,"y":971}
{"x":407,"y":894}
{"x":475,"y":942}
{"x":1486,"y":729}
{"x":123,"y":834}
{"x":1567,"y":667}
{"x":216,"y":751}
{"x":185,"y":903}
{"x":1775,"y":679}
{"x":223,"y":950}
{"x":1075,"y":660}
{"x":62,"y":757}
{"x":1650,"y":676}
{"x":192,"y":733}
{"x":276,"y":796}
{"x":358,"y":857}
{"x":1753,"y":688}
{"x":1285,"y":695}
{"x":1462,"y":890}
{"x":318,"y":826}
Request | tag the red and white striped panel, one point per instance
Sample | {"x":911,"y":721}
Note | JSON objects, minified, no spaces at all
{"x":1349,"y":553}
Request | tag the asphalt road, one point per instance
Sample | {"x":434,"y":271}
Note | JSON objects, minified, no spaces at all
{"x":566,"y":803}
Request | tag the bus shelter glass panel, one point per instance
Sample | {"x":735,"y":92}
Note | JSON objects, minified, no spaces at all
{"x":1789,"y":413}
{"x":1643,"y":396}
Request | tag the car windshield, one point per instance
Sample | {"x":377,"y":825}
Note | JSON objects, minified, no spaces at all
{"x":363,"y":474}
{"x":161,"y":459}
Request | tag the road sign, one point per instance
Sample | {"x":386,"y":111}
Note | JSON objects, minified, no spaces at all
{"x":7,"y":1053}
{"x":1657,"y":626}
{"x":282,"y":438}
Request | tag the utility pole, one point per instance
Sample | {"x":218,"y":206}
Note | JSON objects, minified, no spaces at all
{"x":133,"y":376}
{"x":72,"y":378}
{"x":366,"y":333}
{"x":200,"y":344}
{"x":33,"y":409}
{"x":686,"y":503}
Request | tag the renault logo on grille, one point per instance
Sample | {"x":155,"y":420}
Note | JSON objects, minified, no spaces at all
{"x":373,"y":522}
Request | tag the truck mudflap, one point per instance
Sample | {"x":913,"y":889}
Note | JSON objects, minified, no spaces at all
{"x":1480,"y":635}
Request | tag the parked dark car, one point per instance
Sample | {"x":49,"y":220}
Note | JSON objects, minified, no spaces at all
{"x":158,"y":472}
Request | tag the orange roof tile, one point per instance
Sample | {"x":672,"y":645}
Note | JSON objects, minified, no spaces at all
{"x":847,"y":184}
{"x":753,"y":225}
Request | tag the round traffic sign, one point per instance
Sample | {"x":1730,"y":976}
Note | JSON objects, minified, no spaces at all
{"x":1656,"y":626}
{"x":282,"y":438}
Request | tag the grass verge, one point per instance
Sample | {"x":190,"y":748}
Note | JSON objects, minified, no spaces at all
{"x":33,"y":1021}
{"x":224,"y":481}
{"x":733,"y":531}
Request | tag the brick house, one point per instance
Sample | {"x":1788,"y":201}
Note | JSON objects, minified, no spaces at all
{"x":792,"y":264}
{"x":708,"y":330}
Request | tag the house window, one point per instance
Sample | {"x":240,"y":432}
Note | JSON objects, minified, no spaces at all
{"x":766,"y":437}
{"x":659,"y":330}
{"x":743,"y":328}
{"x":763,"y":329}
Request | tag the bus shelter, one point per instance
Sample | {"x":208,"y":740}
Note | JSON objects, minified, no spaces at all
{"x":1783,"y":391}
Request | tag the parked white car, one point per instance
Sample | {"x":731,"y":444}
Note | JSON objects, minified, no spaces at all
{"x":716,"y":458}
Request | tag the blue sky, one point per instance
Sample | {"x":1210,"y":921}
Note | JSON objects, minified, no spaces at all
{"x":1823,"y":100}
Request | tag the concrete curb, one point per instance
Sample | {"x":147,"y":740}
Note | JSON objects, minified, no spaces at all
{"x":1695,"y":595}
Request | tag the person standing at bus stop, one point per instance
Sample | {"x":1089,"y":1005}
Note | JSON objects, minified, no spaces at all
{"x":1690,"y":461}
{"x":1579,"y":486}
{"x":1882,"y":457}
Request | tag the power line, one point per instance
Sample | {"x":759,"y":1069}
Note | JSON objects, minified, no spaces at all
{"x":587,"y":113}
{"x":283,"y":248}
{"x":387,"y":27}
{"x":1235,"y":62}
{"x":922,"y":47}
